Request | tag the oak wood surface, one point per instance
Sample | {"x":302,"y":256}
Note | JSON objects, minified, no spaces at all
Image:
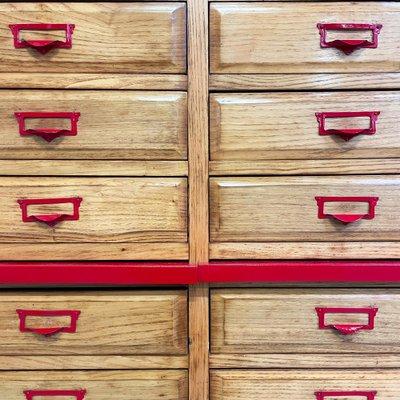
{"x":285,"y":321}
{"x":112,"y":125}
{"x":299,"y":385}
{"x":283,"y":37}
{"x":119,"y":323}
{"x":123,"y":385}
{"x":284,"y":126}
{"x":112,"y":210}
{"x":284,"y":209}
{"x":108,"y":37}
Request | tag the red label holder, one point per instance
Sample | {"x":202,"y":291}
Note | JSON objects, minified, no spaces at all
{"x":50,"y":219}
{"x":48,"y":134}
{"x":42,"y":46}
{"x":346,"y":329}
{"x":348,"y":46}
{"x":73,"y":314}
{"x":347,"y":134}
{"x":346,"y":218}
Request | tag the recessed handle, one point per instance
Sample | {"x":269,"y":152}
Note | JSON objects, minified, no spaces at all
{"x":42,"y":46}
{"x":23,"y":314}
{"x":345,"y":328}
{"x":350,"y":45}
{"x":50,"y":219}
{"x":48,"y":134}
{"x":370,"y":395}
{"x":346,"y":218}
{"x":347,"y":134}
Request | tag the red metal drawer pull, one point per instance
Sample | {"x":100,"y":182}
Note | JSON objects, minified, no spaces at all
{"x":78,"y":394}
{"x":370,"y":395}
{"x":73,"y":314}
{"x":42,"y":46}
{"x":348,"y":46}
{"x":48,"y":134}
{"x":347,"y":329}
{"x":346,"y":218}
{"x":347,"y":134}
{"x":50,"y":219}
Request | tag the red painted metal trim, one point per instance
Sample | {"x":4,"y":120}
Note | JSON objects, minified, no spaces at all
{"x":300,"y":271}
{"x":97,"y":273}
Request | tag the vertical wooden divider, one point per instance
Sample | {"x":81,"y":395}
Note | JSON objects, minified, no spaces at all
{"x":198,"y":193}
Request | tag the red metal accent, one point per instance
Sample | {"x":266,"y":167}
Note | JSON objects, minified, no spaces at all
{"x":346,"y":329}
{"x":73,"y":314}
{"x":300,"y":271}
{"x":78,"y":394}
{"x":346,"y":218}
{"x":42,"y":46}
{"x":50,"y":219}
{"x":48,"y":134}
{"x":347,"y":134}
{"x":348,"y":46}
{"x":97,"y":273}
{"x":370,"y":395}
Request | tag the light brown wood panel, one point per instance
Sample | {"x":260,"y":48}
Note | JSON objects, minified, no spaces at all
{"x":135,"y":322}
{"x":112,"y":210}
{"x":123,"y":385}
{"x":300,"y":385}
{"x":112,"y":125}
{"x":283,"y":37}
{"x":108,"y":37}
{"x":285,"y":321}
{"x":284,"y":126}
{"x":284,"y":209}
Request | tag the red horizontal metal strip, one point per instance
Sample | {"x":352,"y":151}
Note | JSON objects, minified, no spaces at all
{"x":98,"y":273}
{"x":300,"y":271}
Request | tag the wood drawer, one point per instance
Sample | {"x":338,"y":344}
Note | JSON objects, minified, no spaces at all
{"x":108,"y":37}
{"x":285,"y":126}
{"x":111,"y":125}
{"x":121,"y":385}
{"x":302,"y":385}
{"x":134,"y":322}
{"x":112,"y":210}
{"x":284,"y":38}
{"x":286,"y":321}
{"x":285,"y":209}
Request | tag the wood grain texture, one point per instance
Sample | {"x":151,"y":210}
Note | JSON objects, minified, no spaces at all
{"x":37,"y":80}
{"x":284,"y":126}
{"x":305,"y":250}
{"x":285,"y":321}
{"x":112,"y":125}
{"x":124,"y":362}
{"x":108,"y":37}
{"x":299,"y":385}
{"x":306,"y":167}
{"x":304,"y":361}
{"x":284,"y":209}
{"x":123,"y":385}
{"x":283,"y":37}
{"x":93,"y":251}
{"x":304,"y":81}
{"x":112,"y":210}
{"x":119,"y":323}
{"x":92,"y":168}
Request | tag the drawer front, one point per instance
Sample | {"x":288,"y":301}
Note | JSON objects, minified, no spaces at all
{"x":111,"y":210}
{"x":287,"y":321}
{"x":284,"y":38}
{"x":109,"y":125}
{"x":121,"y":385}
{"x":108,"y":37}
{"x":285,"y":126}
{"x":285,"y":209}
{"x":93,"y":323}
{"x":303,"y":385}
